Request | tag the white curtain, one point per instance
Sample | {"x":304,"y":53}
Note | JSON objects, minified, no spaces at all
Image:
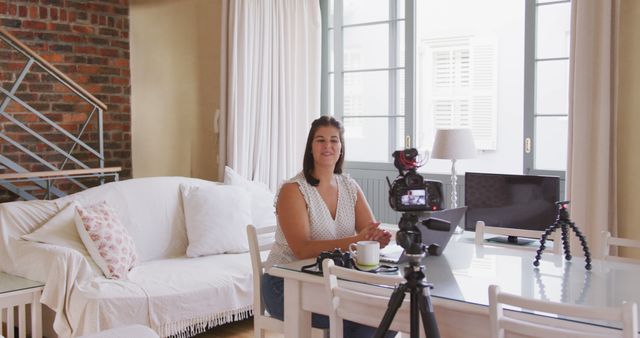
{"x":273,"y":85}
{"x":591,"y":173}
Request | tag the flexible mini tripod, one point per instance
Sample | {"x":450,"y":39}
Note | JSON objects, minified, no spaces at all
{"x":564,"y":223}
{"x":421,"y":307}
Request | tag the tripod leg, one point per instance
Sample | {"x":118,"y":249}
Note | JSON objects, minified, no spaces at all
{"x":414,"y":322}
{"x":394,"y":304}
{"x":423,"y":299}
{"x":565,"y":240}
{"x":550,"y":229}
{"x":583,"y":242}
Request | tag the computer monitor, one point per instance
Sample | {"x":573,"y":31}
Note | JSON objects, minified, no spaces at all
{"x":511,"y":201}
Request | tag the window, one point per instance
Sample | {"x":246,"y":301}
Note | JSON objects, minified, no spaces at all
{"x":363,"y":82}
{"x":394,"y":71}
{"x":546,"y":115}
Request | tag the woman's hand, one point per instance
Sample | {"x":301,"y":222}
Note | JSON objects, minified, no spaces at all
{"x":374,"y":233}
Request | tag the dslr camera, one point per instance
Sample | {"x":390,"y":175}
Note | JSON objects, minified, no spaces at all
{"x":409,"y":191}
{"x":339,"y":258}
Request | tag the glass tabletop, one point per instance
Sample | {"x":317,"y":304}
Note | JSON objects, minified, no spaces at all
{"x":10,"y":283}
{"x":464,"y":272}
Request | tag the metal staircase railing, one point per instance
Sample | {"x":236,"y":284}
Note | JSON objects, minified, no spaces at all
{"x":83,"y":169}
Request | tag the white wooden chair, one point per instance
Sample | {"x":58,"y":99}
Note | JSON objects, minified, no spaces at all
{"x":516,"y":323}
{"x":482,"y":229}
{"x":262,"y":322}
{"x":608,"y":241}
{"x":353,"y":298}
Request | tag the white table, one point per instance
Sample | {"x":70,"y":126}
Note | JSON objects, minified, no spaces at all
{"x":16,"y":292}
{"x":461,"y":277}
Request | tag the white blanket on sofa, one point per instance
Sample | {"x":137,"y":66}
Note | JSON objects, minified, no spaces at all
{"x":174,"y":296}
{"x":179,"y":296}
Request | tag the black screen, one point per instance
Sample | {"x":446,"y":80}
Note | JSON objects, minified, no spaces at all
{"x":511,"y":201}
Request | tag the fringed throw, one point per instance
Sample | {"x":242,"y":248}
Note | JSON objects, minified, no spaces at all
{"x":191,"y":327}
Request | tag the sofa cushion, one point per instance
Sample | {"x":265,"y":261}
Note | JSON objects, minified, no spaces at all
{"x":151,"y":210}
{"x":263,"y":212}
{"x":107,"y":241}
{"x":216,"y":217}
{"x":60,"y":230}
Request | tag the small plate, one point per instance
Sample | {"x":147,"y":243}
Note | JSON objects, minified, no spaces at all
{"x":368,"y":267}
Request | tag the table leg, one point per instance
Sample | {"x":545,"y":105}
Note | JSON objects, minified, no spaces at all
{"x":297,"y":322}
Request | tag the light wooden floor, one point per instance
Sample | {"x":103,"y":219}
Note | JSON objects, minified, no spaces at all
{"x":241,"y":329}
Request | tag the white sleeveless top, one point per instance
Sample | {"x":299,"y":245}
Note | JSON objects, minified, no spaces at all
{"x":322,"y":225}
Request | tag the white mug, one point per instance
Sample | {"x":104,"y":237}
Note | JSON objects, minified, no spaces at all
{"x":367,"y":253}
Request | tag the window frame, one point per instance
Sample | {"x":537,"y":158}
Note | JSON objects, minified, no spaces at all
{"x":336,"y":29}
{"x":530,"y":62}
{"x":410,"y":79}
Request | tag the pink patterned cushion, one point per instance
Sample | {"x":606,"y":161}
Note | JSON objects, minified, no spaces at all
{"x":107,"y":241}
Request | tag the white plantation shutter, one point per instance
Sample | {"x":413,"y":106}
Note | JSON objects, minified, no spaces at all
{"x":484,"y":94}
{"x":464,"y":87}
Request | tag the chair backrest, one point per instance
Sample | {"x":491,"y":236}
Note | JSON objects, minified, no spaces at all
{"x":353,"y":297}
{"x":261,"y":321}
{"x":502,"y":321}
{"x":482,"y":229}
{"x":608,"y":241}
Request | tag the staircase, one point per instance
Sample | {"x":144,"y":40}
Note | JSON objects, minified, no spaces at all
{"x":51,"y":129}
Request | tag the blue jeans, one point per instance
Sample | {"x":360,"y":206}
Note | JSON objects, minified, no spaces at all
{"x":273,"y":296}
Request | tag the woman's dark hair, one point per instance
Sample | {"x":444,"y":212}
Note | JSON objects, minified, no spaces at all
{"x":308,"y":164}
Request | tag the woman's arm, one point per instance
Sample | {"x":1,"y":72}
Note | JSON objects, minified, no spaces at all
{"x":293,"y":218}
{"x":365,"y":219}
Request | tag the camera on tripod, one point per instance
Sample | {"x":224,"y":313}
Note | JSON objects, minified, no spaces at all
{"x":409,"y":191}
{"x":415,"y":197}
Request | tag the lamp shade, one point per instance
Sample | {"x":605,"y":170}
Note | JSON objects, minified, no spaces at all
{"x":453,"y":144}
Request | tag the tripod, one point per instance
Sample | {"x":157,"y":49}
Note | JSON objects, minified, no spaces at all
{"x":420,"y":303}
{"x":564,"y":223}
{"x":421,"y":307}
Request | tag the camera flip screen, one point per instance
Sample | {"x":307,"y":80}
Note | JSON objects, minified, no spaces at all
{"x":414,"y":197}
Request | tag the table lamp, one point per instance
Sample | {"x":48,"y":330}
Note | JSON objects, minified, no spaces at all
{"x":454,"y":144}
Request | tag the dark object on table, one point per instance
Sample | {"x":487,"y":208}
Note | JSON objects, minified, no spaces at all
{"x":564,"y":223}
{"x":511,"y":201}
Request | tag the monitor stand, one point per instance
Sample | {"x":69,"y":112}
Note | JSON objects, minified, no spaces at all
{"x":513,"y":240}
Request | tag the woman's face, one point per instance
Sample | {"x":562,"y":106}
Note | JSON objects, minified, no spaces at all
{"x":326,"y":146}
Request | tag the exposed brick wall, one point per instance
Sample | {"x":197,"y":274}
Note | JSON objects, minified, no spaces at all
{"x":88,"y":40}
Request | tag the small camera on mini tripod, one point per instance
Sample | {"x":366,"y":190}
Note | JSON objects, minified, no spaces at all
{"x":564,"y":224}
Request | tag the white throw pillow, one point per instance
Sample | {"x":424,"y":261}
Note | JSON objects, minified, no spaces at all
{"x":60,"y":230}
{"x":216,"y":218}
{"x":263,"y":212}
{"x":106,"y":239}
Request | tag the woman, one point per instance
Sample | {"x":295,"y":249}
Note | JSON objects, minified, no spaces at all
{"x":320,"y":209}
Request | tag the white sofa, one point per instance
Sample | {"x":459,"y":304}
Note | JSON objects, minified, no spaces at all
{"x":167,"y":291}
